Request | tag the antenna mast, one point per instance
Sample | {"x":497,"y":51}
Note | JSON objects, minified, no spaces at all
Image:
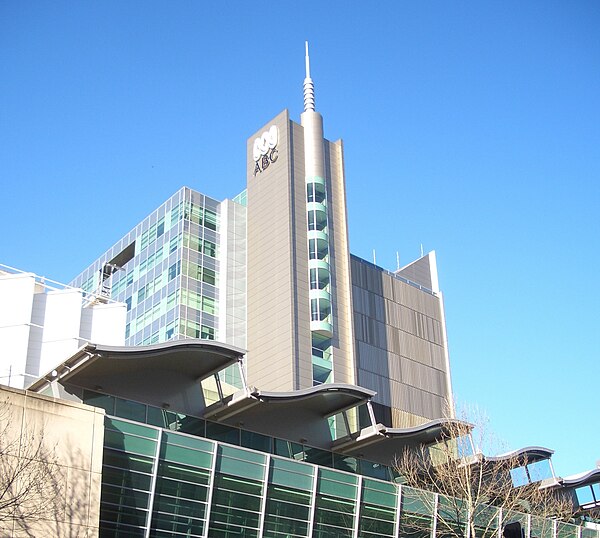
{"x":309,"y":87}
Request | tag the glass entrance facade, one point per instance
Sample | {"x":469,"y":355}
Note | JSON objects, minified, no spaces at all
{"x":157,"y":483}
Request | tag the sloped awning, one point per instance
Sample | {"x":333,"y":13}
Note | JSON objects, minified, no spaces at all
{"x":155,"y":374}
{"x":299,"y":415}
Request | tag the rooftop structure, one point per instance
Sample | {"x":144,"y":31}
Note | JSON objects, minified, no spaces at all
{"x":42,"y":321}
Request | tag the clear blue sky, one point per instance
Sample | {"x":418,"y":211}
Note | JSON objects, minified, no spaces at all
{"x":472,"y":128}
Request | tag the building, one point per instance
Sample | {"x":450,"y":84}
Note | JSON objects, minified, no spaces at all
{"x":42,"y":322}
{"x":269,"y":376}
{"x":176,"y":463}
{"x":270,"y":271}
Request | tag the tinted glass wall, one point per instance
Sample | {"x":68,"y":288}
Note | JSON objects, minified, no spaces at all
{"x":158,"y":483}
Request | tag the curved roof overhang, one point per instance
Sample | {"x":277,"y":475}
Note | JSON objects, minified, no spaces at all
{"x":582,"y":479}
{"x":524,"y":455}
{"x":299,"y":415}
{"x":158,"y":374}
{"x":382,"y":444}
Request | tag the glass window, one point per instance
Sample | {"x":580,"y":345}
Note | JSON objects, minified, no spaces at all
{"x":207,"y":333}
{"x":223,"y":433}
{"x":209,"y":276}
{"x":539,"y":470}
{"x":256,"y":441}
{"x":160,"y":228}
{"x":416,"y":513}
{"x":584,"y":495}
{"x":208,"y":305}
{"x":519,"y":476}
{"x":236,"y":505}
{"x":335,"y":504}
{"x":144,"y":240}
{"x":99,"y":400}
{"x":174,"y":270}
{"x":210,"y":219}
{"x":209,"y":248}
{"x":378,"y":509}
{"x":175,"y":214}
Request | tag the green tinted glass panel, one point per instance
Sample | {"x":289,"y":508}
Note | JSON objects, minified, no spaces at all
{"x":109,"y":529}
{"x":128,"y":427}
{"x":376,"y":521}
{"x":190,"y":442}
{"x":235,"y":509}
{"x":374,"y":470}
{"x":239,"y":462}
{"x":172,"y":525}
{"x":589,"y":533}
{"x":256,"y":441}
{"x":287,"y":449}
{"x":121,"y":496}
{"x":161,"y":417}
{"x":131,"y":410}
{"x":132,"y":462}
{"x":416,"y":501}
{"x":543,"y":528}
{"x":566,"y":530}
{"x":380,"y":493}
{"x":223,"y":433}
{"x":99,"y":400}
{"x":345,"y":463}
{"x":291,"y":473}
{"x":181,"y":454}
{"x":129,"y":443}
{"x":125,"y":478}
{"x":122,"y":515}
{"x":337,"y":484}
{"x":318,"y":457}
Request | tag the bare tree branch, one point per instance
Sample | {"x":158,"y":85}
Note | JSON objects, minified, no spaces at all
{"x":472,"y":489}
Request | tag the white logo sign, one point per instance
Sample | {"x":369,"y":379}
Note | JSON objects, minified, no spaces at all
{"x":266,"y":142}
{"x":263,"y":151}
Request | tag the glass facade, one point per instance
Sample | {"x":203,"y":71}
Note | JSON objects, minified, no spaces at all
{"x":320,"y":279}
{"x":166,"y":270}
{"x":159,"y":482}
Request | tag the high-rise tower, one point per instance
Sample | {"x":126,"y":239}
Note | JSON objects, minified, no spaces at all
{"x":299,"y":294}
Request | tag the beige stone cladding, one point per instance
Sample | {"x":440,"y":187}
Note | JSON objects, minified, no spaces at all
{"x":54,"y":450}
{"x":278,"y":332}
{"x":344,"y":368}
{"x":400,"y":343}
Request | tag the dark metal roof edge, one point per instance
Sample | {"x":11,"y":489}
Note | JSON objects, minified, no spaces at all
{"x":300,"y":394}
{"x":525,"y":451}
{"x":436,"y":423}
{"x":582,"y":479}
{"x":172,"y":344}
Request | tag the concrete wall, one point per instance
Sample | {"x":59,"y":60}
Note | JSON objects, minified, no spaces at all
{"x":55,"y":448}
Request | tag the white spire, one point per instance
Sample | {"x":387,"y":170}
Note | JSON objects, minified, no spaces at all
{"x":309,"y":87}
